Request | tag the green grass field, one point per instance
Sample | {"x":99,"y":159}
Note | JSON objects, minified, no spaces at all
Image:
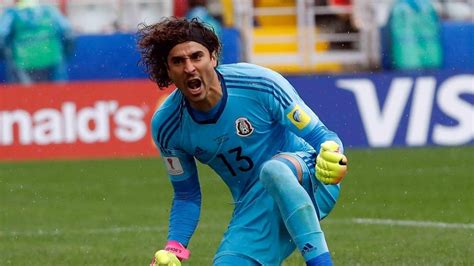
{"x":397,"y":207}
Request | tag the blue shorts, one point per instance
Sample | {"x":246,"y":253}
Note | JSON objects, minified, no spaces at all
{"x":324,"y":197}
{"x":256,"y":231}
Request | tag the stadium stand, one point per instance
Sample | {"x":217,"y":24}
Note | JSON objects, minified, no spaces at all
{"x":281,"y":34}
{"x":110,"y":16}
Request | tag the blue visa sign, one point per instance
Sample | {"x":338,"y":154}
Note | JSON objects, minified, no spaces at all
{"x":394,"y":109}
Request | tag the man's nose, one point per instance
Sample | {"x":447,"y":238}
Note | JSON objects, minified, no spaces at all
{"x":189,"y":66}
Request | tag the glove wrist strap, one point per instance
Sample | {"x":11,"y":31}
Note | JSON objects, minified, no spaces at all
{"x":178,"y":249}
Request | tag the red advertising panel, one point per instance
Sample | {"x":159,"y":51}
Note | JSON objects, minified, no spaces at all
{"x":78,"y":120}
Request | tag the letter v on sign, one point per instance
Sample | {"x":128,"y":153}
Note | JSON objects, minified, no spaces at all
{"x":380,"y":123}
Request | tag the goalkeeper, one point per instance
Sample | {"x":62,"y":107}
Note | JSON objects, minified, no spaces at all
{"x":283,"y":166}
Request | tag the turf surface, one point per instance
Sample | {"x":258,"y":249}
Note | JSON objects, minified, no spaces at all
{"x":397,"y":207}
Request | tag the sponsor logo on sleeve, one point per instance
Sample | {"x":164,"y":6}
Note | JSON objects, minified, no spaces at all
{"x":173,"y":165}
{"x":298,"y":117}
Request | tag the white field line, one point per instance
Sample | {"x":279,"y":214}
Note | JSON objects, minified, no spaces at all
{"x":95,"y":231}
{"x":162,"y":229}
{"x":412,"y":223}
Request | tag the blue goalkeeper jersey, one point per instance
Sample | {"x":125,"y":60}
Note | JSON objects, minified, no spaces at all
{"x":259,"y":116}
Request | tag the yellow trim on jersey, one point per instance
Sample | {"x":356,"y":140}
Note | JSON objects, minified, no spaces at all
{"x":298,"y":117}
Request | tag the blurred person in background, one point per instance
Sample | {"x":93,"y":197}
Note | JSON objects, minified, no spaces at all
{"x":364,"y":19}
{"x":336,"y":22}
{"x":198,"y":9}
{"x":35,"y":40}
{"x":414,"y":32}
{"x":457,"y":10}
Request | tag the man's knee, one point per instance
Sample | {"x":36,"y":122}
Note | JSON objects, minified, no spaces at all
{"x":274,"y":171}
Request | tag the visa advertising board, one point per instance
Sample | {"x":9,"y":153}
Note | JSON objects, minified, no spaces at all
{"x":401,"y":109}
{"x":82,"y":120}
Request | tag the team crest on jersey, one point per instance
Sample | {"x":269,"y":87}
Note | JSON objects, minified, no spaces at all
{"x":243,"y":127}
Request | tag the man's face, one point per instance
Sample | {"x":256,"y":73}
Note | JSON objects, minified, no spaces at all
{"x":191,"y":68}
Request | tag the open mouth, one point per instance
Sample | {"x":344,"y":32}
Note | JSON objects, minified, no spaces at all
{"x":194,"y":84}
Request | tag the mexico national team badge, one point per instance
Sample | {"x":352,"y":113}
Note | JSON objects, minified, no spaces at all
{"x":243,"y":127}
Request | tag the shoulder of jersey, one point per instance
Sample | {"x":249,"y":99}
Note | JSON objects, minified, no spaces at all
{"x":171,"y":106}
{"x":165,"y":120}
{"x":243,"y":69}
{"x":244,"y":78}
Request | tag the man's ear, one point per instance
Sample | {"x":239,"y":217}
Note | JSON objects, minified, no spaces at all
{"x":214,"y":59}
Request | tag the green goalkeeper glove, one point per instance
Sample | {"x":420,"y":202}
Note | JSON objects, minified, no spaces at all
{"x":331,"y":166}
{"x":165,"y":258}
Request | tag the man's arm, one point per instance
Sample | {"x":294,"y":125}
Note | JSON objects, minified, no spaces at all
{"x":320,"y":134}
{"x":293,"y":113}
{"x":185,"y":209}
{"x":186,"y":204}
{"x":184,"y":213}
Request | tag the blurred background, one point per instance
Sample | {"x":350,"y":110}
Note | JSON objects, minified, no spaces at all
{"x":292,"y":36}
{"x":80,"y":183}
{"x":400,"y":71}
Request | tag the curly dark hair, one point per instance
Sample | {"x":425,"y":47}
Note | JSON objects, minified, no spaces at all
{"x":155,"y":42}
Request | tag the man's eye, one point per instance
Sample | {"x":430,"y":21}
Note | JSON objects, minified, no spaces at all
{"x":176,"y":61}
{"x":197,"y":56}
